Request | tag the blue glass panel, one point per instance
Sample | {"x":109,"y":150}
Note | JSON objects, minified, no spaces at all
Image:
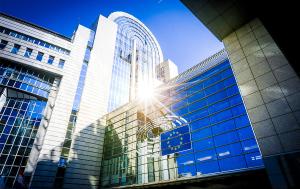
{"x":179,"y":104}
{"x":229,"y":150}
{"x":241,"y":121}
{"x":180,"y":95}
{"x":229,"y":81}
{"x":208,"y":167}
{"x":226,"y":138}
{"x":216,"y":97}
{"x":187,"y":171}
{"x":195,"y":88}
{"x":203,"y":133}
{"x":232,"y":163}
{"x":17,"y":84}
{"x":215,"y":78}
{"x":232,"y":90}
{"x":218,"y":106}
{"x":200,"y":123}
{"x":254,"y":159}
{"x":196,"y":78}
{"x":185,"y":160}
{"x":214,"y":88}
{"x":238,"y":110}
{"x":197,"y":105}
{"x":182,"y":111}
{"x":249,"y":146}
{"x":245,"y":133}
{"x":227,"y":73}
{"x":203,"y":144}
{"x":223,"y":127}
{"x":235,"y":100}
{"x":204,"y":156}
{"x":220,"y":116}
{"x":198,"y":114}
{"x":185,"y":152}
{"x":196,"y":96}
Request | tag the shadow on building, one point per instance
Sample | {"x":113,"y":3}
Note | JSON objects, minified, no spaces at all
{"x":83,"y":168}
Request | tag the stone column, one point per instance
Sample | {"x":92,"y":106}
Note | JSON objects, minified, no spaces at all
{"x":271,"y":92}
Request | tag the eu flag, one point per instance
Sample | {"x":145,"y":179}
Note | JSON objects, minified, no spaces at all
{"x":175,"y":140}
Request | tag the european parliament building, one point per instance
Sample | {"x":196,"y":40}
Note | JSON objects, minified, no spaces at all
{"x":103,"y":109}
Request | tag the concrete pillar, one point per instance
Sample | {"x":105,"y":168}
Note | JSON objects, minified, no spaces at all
{"x":271,"y":92}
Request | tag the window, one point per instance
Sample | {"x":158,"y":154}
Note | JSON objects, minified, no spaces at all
{"x":208,"y":167}
{"x":39,"y":56}
{"x":3,"y":44}
{"x":15,"y":49}
{"x":61,"y":63}
{"x":232,"y":163}
{"x":51,"y":59}
{"x":28,"y":52}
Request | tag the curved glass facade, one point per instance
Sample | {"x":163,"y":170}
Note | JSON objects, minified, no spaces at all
{"x":198,"y":128}
{"x":136,"y":51}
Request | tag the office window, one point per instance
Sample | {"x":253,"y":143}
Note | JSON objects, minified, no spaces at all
{"x":15,"y":49}
{"x":28,"y":52}
{"x":232,"y":163}
{"x":61,"y":63}
{"x":208,"y":167}
{"x":39,"y":56}
{"x":51,"y":59}
{"x":3,"y":44}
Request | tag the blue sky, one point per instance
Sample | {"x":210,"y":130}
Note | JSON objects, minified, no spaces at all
{"x":183,"y":38}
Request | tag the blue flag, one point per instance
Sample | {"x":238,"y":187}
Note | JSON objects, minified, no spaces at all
{"x":175,"y":140}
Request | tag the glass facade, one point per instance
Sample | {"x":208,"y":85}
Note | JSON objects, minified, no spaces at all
{"x":20,"y":118}
{"x":3,"y":44}
{"x":27,"y":80}
{"x":23,"y":98}
{"x":131,"y":36}
{"x":15,"y":49}
{"x":33,"y":40}
{"x":39,"y":56}
{"x":28,"y":52}
{"x":197,"y":128}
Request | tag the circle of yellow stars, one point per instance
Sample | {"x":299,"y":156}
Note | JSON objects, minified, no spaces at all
{"x":174,"y":147}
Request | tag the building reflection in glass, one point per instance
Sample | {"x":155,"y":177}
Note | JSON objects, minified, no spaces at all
{"x":196,"y":127}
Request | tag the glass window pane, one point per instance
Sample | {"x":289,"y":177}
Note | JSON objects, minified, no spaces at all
{"x":226,"y":139}
{"x":203,"y":144}
{"x":241,"y":121}
{"x":200,"y":134}
{"x":205,"y":156}
{"x":207,"y":167}
{"x":232,"y":163}
{"x":245,"y":133}
{"x":223,"y":127}
{"x":229,"y":150}
{"x":249,"y":146}
{"x":15,"y":49}
{"x":200,"y":123}
{"x":254,"y":159}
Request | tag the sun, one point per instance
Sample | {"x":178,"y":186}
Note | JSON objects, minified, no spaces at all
{"x":146,"y":92}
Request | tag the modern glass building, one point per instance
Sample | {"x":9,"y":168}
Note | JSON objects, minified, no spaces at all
{"x":24,"y":95}
{"x":258,"y":44}
{"x":52,"y":95}
{"x":136,"y":52}
{"x":195,"y":126}
{"x":70,"y":116}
